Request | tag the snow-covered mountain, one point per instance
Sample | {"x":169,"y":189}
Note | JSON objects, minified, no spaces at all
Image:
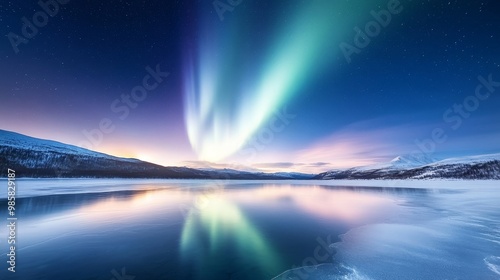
{"x":33,"y":157}
{"x":410,"y":161}
{"x":282,"y":175}
{"x":398,"y":163}
{"x":14,"y":140}
{"x":408,"y":167}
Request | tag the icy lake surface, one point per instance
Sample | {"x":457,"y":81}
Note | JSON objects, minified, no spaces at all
{"x":194,"y":229}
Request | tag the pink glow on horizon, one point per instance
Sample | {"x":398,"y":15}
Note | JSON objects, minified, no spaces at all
{"x":352,"y":148}
{"x":348,"y":206}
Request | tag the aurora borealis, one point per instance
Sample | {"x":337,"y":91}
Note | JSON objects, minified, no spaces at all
{"x":223,"y":113}
{"x":228,"y":79}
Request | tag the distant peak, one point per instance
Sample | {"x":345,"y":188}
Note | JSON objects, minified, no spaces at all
{"x":412,"y":160}
{"x":396,"y":159}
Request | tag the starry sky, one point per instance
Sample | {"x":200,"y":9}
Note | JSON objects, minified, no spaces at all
{"x":251,"y":84}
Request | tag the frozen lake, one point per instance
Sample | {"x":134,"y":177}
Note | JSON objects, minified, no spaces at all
{"x":194,"y":229}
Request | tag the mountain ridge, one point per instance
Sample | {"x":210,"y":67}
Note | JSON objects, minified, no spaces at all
{"x":34,"y":157}
{"x":467,"y":167}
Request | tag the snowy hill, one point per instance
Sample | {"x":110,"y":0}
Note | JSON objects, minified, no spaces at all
{"x":282,"y":175}
{"x":404,"y":167}
{"x":33,"y":157}
{"x":20,"y":141}
{"x":409,"y":161}
{"x":398,"y":163}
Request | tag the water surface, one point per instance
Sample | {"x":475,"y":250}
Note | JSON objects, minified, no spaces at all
{"x":161,"y":229}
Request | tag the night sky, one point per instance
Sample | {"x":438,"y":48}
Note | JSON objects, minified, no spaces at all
{"x":268,"y":85}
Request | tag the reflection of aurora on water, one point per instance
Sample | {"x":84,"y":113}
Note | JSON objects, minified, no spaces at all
{"x":218,"y":228}
{"x":221,"y":230}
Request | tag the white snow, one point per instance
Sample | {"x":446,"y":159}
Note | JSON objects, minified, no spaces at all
{"x":16,"y":140}
{"x":468,"y":159}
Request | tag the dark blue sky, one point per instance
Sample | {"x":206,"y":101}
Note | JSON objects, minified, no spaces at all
{"x":229,"y":72}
